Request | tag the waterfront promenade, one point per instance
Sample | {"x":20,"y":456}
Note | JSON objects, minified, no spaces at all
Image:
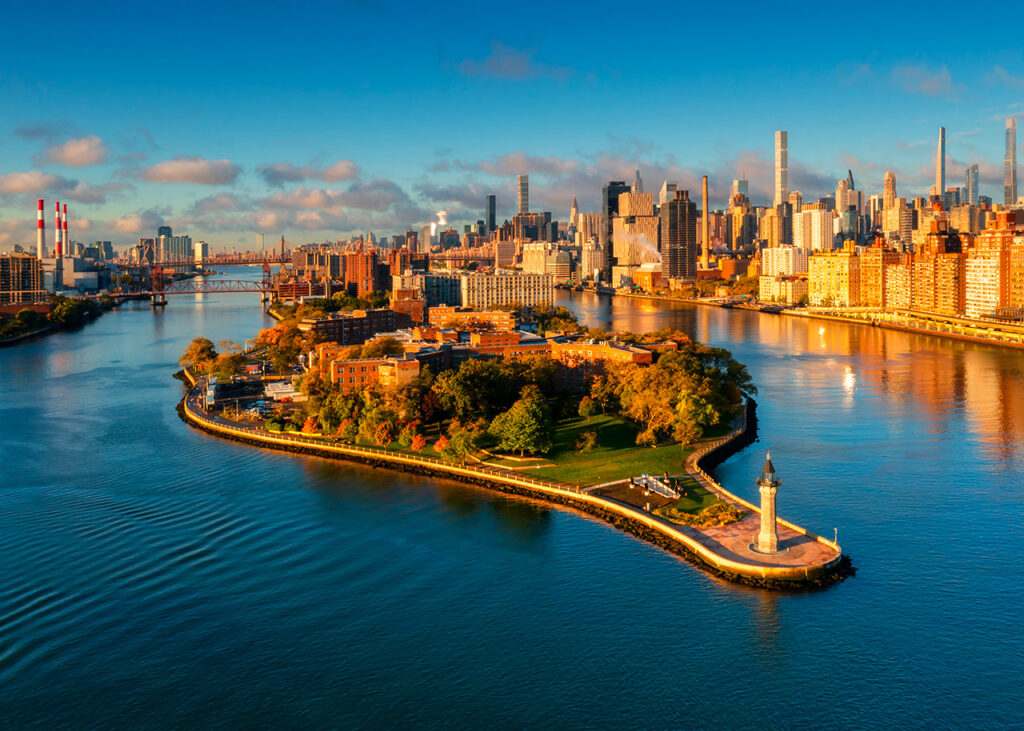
{"x":811,"y":560}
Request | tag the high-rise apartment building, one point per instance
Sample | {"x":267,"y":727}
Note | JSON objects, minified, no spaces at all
{"x":781,"y":166}
{"x":524,"y":193}
{"x":971,"y":186}
{"x":1010,"y":163}
{"x":834,"y":278}
{"x":483,"y":291}
{"x":21,"y":280}
{"x":940,"y":164}
{"x":678,"y":242}
{"x":888,"y":191}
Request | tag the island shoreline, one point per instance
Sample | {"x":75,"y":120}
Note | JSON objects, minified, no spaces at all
{"x":619,"y":515}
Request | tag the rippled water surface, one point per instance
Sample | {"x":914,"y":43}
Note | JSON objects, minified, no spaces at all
{"x":153,"y":575}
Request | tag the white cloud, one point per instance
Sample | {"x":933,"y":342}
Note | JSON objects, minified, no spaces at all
{"x":192,"y":170}
{"x":78,"y":152}
{"x":32,"y":182}
{"x":919,"y":79}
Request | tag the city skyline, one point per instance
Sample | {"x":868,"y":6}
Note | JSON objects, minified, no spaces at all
{"x":228,"y":139}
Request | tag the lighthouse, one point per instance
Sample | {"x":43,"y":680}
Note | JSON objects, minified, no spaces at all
{"x":768,"y":484}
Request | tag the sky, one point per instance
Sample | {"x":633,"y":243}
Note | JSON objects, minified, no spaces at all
{"x":316,"y":121}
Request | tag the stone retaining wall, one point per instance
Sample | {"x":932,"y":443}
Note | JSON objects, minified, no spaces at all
{"x":626,"y":517}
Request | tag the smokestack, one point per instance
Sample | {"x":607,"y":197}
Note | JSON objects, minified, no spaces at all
{"x":706,"y":249}
{"x":41,"y":233}
{"x":59,"y":251}
{"x":64,"y":233}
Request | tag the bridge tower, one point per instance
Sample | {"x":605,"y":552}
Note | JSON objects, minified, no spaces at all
{"x":267,"y":284}
{"x":157,"y":287}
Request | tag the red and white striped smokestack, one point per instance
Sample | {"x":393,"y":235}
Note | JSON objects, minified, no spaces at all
{"x":57,"y":248}
{"x":41,"y":233}
{"x":64,"y":233}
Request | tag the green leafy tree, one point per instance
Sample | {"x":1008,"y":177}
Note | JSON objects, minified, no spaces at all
{"x":587,"y":408}
{"x":527,"y":426}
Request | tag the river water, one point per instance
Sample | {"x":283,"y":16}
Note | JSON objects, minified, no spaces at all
{"x":152,"y":575}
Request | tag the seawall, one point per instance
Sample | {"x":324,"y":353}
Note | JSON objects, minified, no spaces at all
{"x":625,"y":517}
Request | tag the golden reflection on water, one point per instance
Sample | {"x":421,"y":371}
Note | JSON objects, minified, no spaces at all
{"x":958,"y":388}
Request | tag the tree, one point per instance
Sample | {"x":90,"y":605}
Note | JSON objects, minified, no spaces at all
{"x":527,"y":426}
{"x":199,"y":354}
{"x":228,"y":365}
{"x":385,"y":433}
{"x":587,"y":408}
{"x":382,"y":348}
{"x":418,"y":442}
{"x":462,"y":443}
{"x":441,"y":445}
{"x":587,"y":442}
{"x":310,"y":426}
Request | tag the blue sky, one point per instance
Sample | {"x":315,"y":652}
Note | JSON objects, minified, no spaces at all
{"x":230,"y":120}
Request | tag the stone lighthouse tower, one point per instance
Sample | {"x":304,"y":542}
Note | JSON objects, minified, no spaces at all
{"x":768,"y":483}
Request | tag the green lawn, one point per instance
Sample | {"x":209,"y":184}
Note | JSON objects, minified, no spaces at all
{"x":695,"y":499}
{"x":617,"y":456}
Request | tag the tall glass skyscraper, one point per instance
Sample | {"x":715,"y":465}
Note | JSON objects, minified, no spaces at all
{"x":971,"y":186}
{"x":524,"y":193}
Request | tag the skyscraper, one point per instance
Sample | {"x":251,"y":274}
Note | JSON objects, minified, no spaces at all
{"x":888,"y":191}
{"x":638,"y":183}
{"x":524,"y":193}
{"x":609,"y":210}
{"x":667,"y":192}
{"x":940,"y":164}
{"x":490,"y":215}
{"x":781,"y":166}
{"x":678,"y":243}
{"x":574,"y":212}
{"x":1010,"y":163}
{"x":971,"y":186}
{"x":739,"y":185}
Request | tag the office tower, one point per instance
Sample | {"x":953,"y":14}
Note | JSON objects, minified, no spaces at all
{"x":796,"y":200}
{"x":678,"y":239}
{"x":781,"y":166}
{"x":739,"y":186}
{"x":609,"y":210}
{"x":842,"y":191}
{"x":490,"y":214}
{"x":705,"y":259}
{"x":574,"y":212}
{"x":888,"y":191}
{"x":971,"y":186}
{"x":164,"y":231}
{"x":667,"y":192}
{"x":524,"y":193}
{"x":638,"y":183}
{"x":1010,"y":163}
{"x":940,"y":164}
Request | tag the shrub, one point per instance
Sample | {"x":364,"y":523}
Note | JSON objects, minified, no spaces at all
{"x":418,"y":442}
{"x":441,"y":445}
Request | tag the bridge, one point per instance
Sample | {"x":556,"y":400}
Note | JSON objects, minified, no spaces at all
{"x":159,"y":288}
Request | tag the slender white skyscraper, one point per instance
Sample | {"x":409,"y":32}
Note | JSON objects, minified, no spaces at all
{"x":1010,"y":163}
{"x":940,"y":164}
{"x":781,"y":166}
{"x":524,"y":193}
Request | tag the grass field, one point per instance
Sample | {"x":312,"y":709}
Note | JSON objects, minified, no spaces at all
{"x":616,"y":457}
